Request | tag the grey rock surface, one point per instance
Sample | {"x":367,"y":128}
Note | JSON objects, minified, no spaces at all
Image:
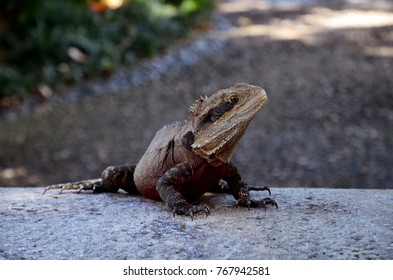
{"x":309,"y":224}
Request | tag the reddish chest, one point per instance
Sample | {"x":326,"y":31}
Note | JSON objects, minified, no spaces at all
{"x":203,"y":178}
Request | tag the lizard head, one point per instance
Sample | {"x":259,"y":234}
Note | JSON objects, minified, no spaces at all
{"x":219,"y":121}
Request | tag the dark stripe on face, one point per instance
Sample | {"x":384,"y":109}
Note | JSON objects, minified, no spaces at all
{"x":215,"y":113}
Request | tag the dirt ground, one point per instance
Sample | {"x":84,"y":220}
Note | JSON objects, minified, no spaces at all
{"x":327,"y":67}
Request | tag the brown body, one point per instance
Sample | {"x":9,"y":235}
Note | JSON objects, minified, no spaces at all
{"x":166,"y":156}
{"x":189,"y":158}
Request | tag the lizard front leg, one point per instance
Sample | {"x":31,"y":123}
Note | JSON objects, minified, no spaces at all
{"x":241,"y":191}
{"x":178,"y":175}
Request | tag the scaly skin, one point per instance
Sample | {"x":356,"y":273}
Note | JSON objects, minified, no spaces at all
{"x":189,"y":158}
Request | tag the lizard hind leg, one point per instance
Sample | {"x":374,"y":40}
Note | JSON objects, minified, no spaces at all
{"x":119,"y":177}
{"x":112,"y":179}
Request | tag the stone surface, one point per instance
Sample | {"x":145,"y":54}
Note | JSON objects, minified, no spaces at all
{"x":309,"y":224}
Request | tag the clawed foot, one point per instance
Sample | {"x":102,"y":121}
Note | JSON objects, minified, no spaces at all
{"x":257,"y":203}
{"x":246,"y":201}
{"x":93,"y":185}
{"x":190,"y":210}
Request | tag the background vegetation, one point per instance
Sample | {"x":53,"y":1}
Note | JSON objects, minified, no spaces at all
{"x":47,"y":43}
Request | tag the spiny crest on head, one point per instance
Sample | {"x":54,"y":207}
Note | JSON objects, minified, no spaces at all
{"x":197,"y":107}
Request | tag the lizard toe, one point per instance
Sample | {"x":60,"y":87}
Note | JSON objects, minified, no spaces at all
{"x":190,"y":210}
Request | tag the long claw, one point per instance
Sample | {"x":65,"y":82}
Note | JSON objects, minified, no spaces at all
{"x":258,"y":188}
{"x":190,"y":210}
{"x":245,"y":200}
{"x":52,"y":187}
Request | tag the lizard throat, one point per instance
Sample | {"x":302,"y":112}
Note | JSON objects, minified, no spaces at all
{"x":218,"y":148}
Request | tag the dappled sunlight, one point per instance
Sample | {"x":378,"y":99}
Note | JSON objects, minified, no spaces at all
{"x":282,"y":30}
{"x":382,"y":51}
{"x":326,"y":18}
{"x":14,"y":175}
{"x":247,"y":5}
{"x":114,"y":4}
{"x":242,"y":6}
{"x":304,"y":27}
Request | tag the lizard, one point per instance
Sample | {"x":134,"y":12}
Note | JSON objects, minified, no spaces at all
{"x":189,"y":158}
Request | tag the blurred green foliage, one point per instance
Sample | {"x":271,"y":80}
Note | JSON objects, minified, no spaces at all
{"x":47,"y":43}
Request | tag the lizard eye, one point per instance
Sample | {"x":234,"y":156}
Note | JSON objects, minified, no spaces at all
{"x":233,"y":99}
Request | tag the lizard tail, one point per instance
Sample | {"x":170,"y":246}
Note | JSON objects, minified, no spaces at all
{"x":93,"y":184}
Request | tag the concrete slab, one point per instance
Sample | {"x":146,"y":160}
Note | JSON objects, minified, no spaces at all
{"x":309,"y":224}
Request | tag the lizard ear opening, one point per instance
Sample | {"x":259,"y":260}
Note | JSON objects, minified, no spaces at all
{"x":188,"y":139}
